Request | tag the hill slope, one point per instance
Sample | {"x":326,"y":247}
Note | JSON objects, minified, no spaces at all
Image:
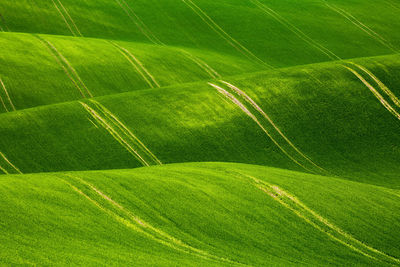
{"x":283,"y":33}
{"x":44,"y":69}
{"x":319,"y":118}
{"x":275,"y":125}
{"x":213,"y":214}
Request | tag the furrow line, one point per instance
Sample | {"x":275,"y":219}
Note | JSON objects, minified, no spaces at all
{"x":3,"y":86}
{"x":66,"y":66}
{"x":299,"y":33}
{"x":72,"y":69}
{"x":124,"y":129}
{"x":203,"y":65}
{"x":216,"y":28}
{"x":3,"y":104}
{"x":117,"y":136}
{"x":235,"y":101}
{"x":3,"y":170}
{"x":320,"y":223}
{"x":138,"y":22}
{"x":63,"y":17}
{"x":70,"y":18}
{"x":139,"y":225}
{"x":375,"y":92}
{"x":10,"y":164}
{"x":249,"y":100}
{"x":4,"y":27}
{"x":362,"y":26}
{"x":140,"y":68}
{"x":384,"y":88}
{"x":153,"y":38}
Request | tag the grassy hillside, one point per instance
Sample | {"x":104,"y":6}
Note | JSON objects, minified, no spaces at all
{"x":147,"y":44}
{"x":44,"y":69}
{"x":213,"y":214}
{"x":274,"y":124}
{"x":321,"y":119}
{"x":282,"y":33}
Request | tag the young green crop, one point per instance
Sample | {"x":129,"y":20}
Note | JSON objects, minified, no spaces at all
{"x":211,"y":214}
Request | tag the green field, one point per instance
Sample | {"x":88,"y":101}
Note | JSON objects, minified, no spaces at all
{"x":197,"y":132}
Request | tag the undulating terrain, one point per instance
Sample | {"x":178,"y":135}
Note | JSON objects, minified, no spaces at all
{"x":200,"y":133}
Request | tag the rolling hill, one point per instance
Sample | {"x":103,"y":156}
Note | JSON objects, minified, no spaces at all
{"x":210,"y":214}
{"x":197,"y":132}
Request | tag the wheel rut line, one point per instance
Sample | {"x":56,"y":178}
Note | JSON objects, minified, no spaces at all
{"x":375,"y":92}
{"x":299,"y":33}
{"x":3,"y":28}
{"x":203,"y":65}
{"x":121,"y":133}
{"x":105,"y":125}
{"x":59,"y":9}
{"x":63,"y":17}
{"x":239,"y":104}
{"x":223,"y":34}
{"x":383,"y":87}
{"x":3,"y":104}
{"x":285,"y":145}
{"x":155,"y":40}
{"x":138,"y":22}
{"x":361,"y":26}
{"x":139,"y":225}
{"x":70,"y":18}
{"x":68,"y":69}
{"x":139,"y":67}
{"x":3,"y":170}
{"x":3,"y":86}
{"x":126,"y":130}
{"x":320,"y":223}
{"x":249,"y":100}
{"x":64,"y":68}
{"x":393,"y":5}
{"x":14,"y":169}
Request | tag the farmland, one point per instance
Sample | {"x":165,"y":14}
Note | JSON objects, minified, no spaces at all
{"x":197,"y":132}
